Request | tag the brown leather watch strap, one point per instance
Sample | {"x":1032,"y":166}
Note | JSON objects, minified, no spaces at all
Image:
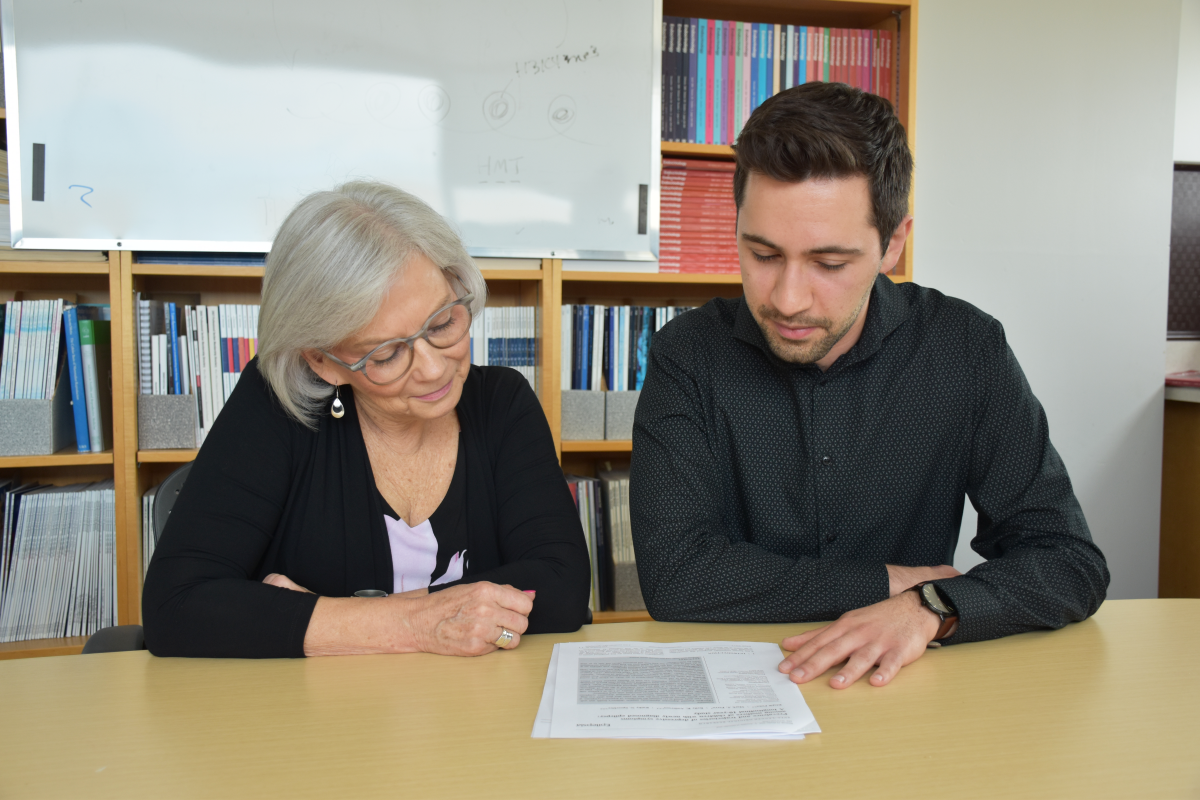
{"x":944,"y":629}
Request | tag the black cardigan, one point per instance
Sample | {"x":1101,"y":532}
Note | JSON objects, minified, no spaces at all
{"x":267,"y":494}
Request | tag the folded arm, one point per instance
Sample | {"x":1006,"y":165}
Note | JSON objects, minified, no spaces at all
{"x":692,"y":568}
{"x":540,"y":537}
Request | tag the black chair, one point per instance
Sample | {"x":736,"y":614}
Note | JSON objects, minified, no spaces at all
{"x":119,"y":638}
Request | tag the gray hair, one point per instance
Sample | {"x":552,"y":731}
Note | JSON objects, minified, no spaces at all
{"x":328,"y":274}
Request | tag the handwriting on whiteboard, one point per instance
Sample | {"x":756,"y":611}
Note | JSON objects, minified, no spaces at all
{"x":84,"y":195}
{"x":539,"y":65}
{"x":501,"y":170}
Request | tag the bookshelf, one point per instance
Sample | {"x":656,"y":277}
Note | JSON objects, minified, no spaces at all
{"x":544,"y":284}
{"x":95,"y":282}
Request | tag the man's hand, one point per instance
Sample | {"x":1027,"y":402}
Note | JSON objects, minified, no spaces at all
{"x":892,"y":634}
{"x":901,"y":579}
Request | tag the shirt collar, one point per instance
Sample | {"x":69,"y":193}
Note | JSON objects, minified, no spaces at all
{"x":887,"y":311}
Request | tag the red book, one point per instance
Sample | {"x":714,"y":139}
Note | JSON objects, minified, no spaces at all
{"x":699,"y":179}
{"x":716,"y":183}
{"x":814,"y":53}
{"x":715,"y":194}
{"x":846,"y":72}
{"x":864,"y":60}
{"x":696,"y":213}
{"x":243,"y":352}
{"x":693,"y":265}
{"x":889,"y":66}
{"x":852,"y":36}
{"x":683,"y":214}
{"x":723,"y":191}
{"x":875,"y":62}
{"x":872,"y":60}
{"x":698,"y":164}
{"x":726,"y":230}
{"x":701,"y":251}
{"x":848,"y":56}
{"x":833,"y":55}
{"x":723,"y":238}
{"x":698,"y":262}
{"x":1188,"y":378}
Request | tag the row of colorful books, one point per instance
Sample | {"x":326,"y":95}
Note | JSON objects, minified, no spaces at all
{"x":607,"y":347}
{"x":716,"y":72}
{"x":506,"y":336}
{"x":58,"y":570}
{"x":198,"y":350}
{"x":698,"y":219}
{"x":40,"y":337}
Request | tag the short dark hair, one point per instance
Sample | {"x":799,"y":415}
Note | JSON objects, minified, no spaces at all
{"x":830,"y":130}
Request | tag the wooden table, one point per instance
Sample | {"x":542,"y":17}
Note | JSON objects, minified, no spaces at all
{"x":1106,"y":708}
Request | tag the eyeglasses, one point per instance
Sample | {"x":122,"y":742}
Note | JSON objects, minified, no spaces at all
{"x":388,"y":362}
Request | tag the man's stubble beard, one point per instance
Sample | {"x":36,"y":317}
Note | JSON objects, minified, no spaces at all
{"x":807,"y":352}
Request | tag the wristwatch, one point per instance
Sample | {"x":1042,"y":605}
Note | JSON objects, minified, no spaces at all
{"x":936,"y":602}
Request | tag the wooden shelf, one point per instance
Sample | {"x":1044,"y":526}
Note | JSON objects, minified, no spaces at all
{"x":63,"y":458}
{"x":512,"y":274}
{"x":35,"y":648}
{"x":597,"y":446}
{"x":692,"y":278}
{"x":217,"y":271}
{"x":55,"y":267}
{"x":690,"y":150}
{"x":198,"y":270}
{"x":166,"y":456}
{"x":601,"y":617}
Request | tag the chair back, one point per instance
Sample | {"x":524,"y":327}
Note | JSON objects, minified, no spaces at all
{"x":168,"y":492}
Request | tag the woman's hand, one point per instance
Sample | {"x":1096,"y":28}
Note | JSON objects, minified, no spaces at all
{"x":284,"y":582}
{"x":463,"y":620}
{"x":466,"y":620}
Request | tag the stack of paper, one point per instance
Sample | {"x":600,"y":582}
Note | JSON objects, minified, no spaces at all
{"x":58,"y":566}
{"x":686,"y":690}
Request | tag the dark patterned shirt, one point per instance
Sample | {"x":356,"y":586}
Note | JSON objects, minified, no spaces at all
{"x":763,"y":491}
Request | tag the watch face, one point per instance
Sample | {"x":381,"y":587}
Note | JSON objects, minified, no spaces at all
{"x":933,"y":599}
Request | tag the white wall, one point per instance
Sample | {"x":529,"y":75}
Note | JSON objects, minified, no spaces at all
{"x":1187,"y":91}
{"x":1043,"y":196}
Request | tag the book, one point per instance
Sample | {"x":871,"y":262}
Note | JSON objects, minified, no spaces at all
{"x":626,"y":590}
{"x":96,"y":356}
{"x":75,"y":373}
{"x":57,"y":563}
{"x":1189,"y":377}
{"x":716,"y":72}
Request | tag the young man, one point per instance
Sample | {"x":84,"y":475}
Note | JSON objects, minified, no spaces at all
{"x":803,"y":453}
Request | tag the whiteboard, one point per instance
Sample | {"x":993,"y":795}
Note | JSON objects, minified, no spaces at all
{"x":532,"y":125}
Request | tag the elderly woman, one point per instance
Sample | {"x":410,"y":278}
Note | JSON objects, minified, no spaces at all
{"x":361,"y":451}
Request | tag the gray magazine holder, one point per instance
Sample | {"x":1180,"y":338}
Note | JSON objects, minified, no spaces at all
{"x":166,"y":421}
{"x":582,"y":414}
{"x":38,"y":427}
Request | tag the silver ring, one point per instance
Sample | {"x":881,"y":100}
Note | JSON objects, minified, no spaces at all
{"x":505,"y":639}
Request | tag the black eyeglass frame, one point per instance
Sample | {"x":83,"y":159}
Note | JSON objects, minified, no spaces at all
{"x":408,"y":341}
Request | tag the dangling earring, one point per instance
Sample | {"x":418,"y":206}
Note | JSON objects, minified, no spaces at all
{"x":337,"y":409}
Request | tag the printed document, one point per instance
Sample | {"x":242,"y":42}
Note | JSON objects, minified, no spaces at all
{"x":684,"y":690}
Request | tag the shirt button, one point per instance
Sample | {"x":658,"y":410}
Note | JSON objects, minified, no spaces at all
{"x":830,"y":538}
{"x":826,"y":460}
